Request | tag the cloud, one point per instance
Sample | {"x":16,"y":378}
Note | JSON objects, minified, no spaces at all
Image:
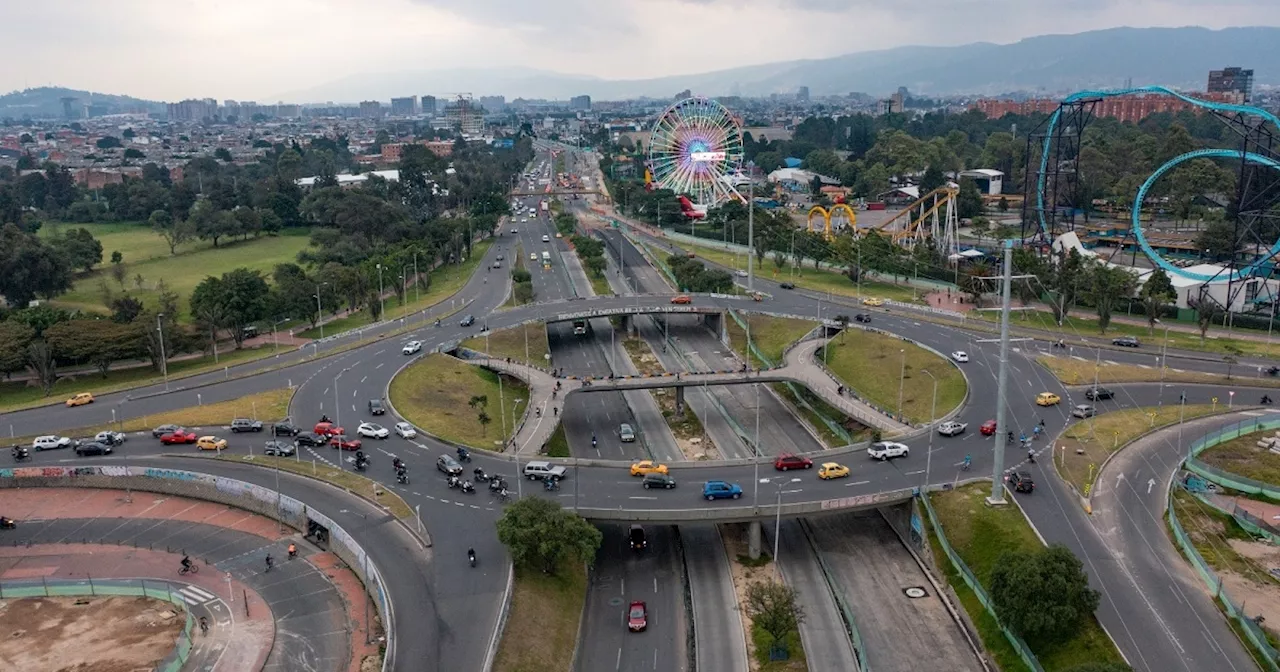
{"x":250,"y":49}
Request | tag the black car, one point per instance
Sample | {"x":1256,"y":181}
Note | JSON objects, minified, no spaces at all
{"x":467,"y":321}
{"x":93,"y":448}
{"x":1126,"y":342}
{"x":278,"y":448}
{"x":638,"y":541}
{"x":284,"y":429}
{"x":1021,"y":481}
{"x":1096,"y":393}
{"x":786,"y":285}
{"x":862,"y":317}
{"x":656,"y":480}
{"x":376,"y":407}
{"x":310,"y":439}
{"x":245,"y":425}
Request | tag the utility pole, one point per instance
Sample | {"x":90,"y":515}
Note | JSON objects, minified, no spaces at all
{"x":751,"y":236}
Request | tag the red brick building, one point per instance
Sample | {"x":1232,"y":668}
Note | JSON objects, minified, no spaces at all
{"x":1125,"y":108}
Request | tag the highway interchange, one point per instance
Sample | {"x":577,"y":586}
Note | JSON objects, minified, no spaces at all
{"x":453,"y":620}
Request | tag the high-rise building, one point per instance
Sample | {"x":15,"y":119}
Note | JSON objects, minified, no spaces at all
{"x":493,"y":103}
{"x":802,"y":95}
{"x":193,"y":110}
{"x":463,"y":116}
{"x":580,"y":103}
{"x":230,"y":108}
{"x":1236,"y":82}
{"x":404,"y":107}
{"x":370,"y":109}
{"x":429,"y":105}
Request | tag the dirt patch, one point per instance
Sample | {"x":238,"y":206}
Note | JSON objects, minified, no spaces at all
{"x":87,"y":634}
{"x":1260,"y":595}
{"x":735,"y":546}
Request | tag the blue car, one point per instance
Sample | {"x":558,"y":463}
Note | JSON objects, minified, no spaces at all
{"x":713,"y":490}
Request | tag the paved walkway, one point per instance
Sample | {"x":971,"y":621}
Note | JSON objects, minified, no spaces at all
{"x":296,"y":617}
{"x":547,"y":392}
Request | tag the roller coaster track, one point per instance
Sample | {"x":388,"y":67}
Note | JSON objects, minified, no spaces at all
{"x":908,"y":228}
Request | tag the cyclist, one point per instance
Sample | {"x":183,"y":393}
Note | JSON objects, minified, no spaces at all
{"x":270,"y":562}
{"x":186,"y":562}
{"x":204,"y":625}
{"x":1035,"y":431}
{"x":968,"y":461}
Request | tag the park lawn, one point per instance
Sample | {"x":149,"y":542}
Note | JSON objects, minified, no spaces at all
{"x":770,"y":335}
{"x":181,"y":273}
{"x":796,"y":662}
{"x":1243,"y":457}
{"x":434,"y":394}
{"x":1086,"y":444}
{"x":1076,"y":372}
{"x":1217,"y":340}
{"x":818,"y":280}
{"x":542,"y":628}
{"x":979,"y":534}
{"x":445,"y":281}
{"x":17,"y":395}
{"x":870,"y":364}
{"x":268,"y":406}
{"x":347,"y":480}
{"x":511,"y":343}
{"x":134,"y":240}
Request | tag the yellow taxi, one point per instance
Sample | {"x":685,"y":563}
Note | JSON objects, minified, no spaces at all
{"x":830,"y":470}
{"x":80,"y":399}
{"x":1047,"y":399}
{"x":211,"y":443}
{"x":873,"y":302}
{"x":647,"y":467}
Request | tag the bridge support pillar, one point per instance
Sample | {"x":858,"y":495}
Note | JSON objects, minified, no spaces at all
{"x":753,"y":539}
{"x":628,"y":325}
{"x":713,"y":321}
{"x":679,"y":402}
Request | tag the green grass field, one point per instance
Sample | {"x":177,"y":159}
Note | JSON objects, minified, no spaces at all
{"x":770,"y":335}
{"x":434,"y":394}
{"x":147,"y":255}
{"x":1088,"y":443}
{"x":872,"y":365}
{"x":445,"y":281}
{"x":511,"y":343}
{"x":1243,"y":457}
{"x":542,"y":629}
{"x":980,"y":534}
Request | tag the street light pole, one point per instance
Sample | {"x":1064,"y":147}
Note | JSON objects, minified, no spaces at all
{"x":933,"y":414}
{"x":319,"y":309}
{"x":777,"y":523}
{"x":902,"y":381}
{"x":751,"y":236}
{"x":382,"y":301}
{"x":164,"y":361}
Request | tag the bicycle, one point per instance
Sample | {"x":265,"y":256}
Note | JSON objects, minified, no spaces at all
{"x":188,"y":569}
{"x":204,"y":625}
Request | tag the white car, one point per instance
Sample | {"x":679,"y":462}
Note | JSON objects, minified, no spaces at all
{"x":412,"y":347}
{"x":50,"y":442}
{"x":546,"y":238}
{"x":406,"y":430}
{"x":514,"y":230}
{"x":951,"y":428}
{"x":960,"y":356}
{"x":886,"y":450}
{"x":372,"y":431}
{"x":740,"y":273}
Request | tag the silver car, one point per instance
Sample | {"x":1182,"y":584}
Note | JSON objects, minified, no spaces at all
{"x":626,"y":433}
{"x":1083,"y":411}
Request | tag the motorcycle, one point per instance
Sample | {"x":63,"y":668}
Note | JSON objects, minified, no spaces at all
{"x":1273,"y":371}
{"x":496,"y":484}
{"x":21,"y":453}
{"x":402,"y":478}
{"x":480,"y":476}
{"x":464,"y":455}
{"x":454,"y":482}
{"x":1265,"y":400}
{"x":361,"y":464}
{"x":467,"y":487}
{"x":471,"y":556}
{"x":7,"y":523}
{"x":325,"y":418}
{"x":551,"y":484}
{"x":1060,"y":344}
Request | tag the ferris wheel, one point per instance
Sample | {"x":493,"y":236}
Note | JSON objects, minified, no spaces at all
{"x":695,"y":150}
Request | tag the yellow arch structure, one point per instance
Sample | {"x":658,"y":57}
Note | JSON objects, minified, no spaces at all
{"x":822,"y":214}
{"x":833,"y":218}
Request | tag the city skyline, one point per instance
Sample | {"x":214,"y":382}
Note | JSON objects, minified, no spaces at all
{"x":159,"y":51}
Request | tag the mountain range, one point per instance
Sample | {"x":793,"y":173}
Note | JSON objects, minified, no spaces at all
{"x":1052,"y":64}
{"x":1177,"y":57}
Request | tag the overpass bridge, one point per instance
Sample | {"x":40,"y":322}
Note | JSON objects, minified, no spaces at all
{"x":557,"y":192}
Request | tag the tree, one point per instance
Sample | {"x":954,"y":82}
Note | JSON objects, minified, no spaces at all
{"x":980,"y":226}
{"x":478,"y":402}
{"x":932,"y":179}
{"x":174,"y":232}
{"x":14,"y":337}
{"x":1232,"y":357}
{"x":80,"y":248}
{"x":117,"y":257}
{"x":775,"y":608}
{"x":120,"y":272}
{"x":211,"y":223}
{"x":30,"y":267}
{"x":1063,"y":282}
{"x":108,"y":142}
{"x":1156,"y":293}
{"x":969,"y":200}
{"x":134,"y":153}
{"x":293,"y":294}
{"x":1107,"y":285}
{"x":242,"y":295}
{"x":40,"y":360}
{"x":843,"y":321}
{"x":223,"y":154}
{"x":540,"y":535}
{"x":1042,"y":596}
{"x":125,"y":309}
{"x":96,"y":342}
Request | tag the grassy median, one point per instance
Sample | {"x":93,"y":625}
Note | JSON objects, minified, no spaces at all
{"x":542,"y":628}
{"x":1078,"y":372}
{"x":770,"y":335}
{"x":512,"y":343}
{"x":874,"y":365}
{"x":347,"y":480}
{"x":979,"y":534}
{"x":459,"y":402}
{"x":1243,"y":457}
{"x":1086,"y":444}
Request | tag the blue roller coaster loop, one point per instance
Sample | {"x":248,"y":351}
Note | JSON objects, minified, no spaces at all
{"x":1169,"y":165}
{"x":1205,"y":104}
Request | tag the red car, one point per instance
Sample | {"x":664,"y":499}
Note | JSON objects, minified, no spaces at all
{"x":787,"y":461}
{"x":637,"y":617}
{"x":988,"y":428}
{"x":328,"y":429}
{"x":180,"y":436}
{"x":340,"y":441}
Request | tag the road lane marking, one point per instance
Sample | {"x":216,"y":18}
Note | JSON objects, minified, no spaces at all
{"x":856,"y":483}
{"x":642,"y":498}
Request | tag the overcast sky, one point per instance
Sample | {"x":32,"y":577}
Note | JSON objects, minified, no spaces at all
{"x":253,"y":49}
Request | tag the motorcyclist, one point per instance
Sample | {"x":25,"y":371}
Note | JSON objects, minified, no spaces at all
{"x":324,"y":418}
{"x":270,"y":562}
{"x":471,"y":556}
{"x":293,"y":551}
{"x":1031,"y":455}
{"x":1266,"y":399}
{"x":593,"y":440}
{"x":397,"y":464}
{"x":463,"y":453}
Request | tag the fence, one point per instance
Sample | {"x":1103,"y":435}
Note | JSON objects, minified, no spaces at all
{"x":970,"y":580}
{"x":156,"y":590}
{"x":1247,"y":521}
{"x":231,"y":492}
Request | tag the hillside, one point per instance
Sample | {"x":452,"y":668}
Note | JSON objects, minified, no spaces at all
{"x":46,"y":101}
